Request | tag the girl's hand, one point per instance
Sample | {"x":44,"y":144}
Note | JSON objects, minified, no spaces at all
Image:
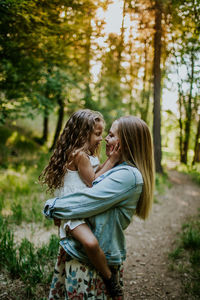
{"x":115,"y":154}
{"x":57,"y":222}
{"x":61,"y":256}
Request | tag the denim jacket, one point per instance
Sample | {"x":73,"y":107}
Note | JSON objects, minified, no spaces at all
{"x":108,"y":208}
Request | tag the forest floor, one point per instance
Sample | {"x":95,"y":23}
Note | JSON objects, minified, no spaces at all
{"x":147,"y":274}
{"x":146,"y":271}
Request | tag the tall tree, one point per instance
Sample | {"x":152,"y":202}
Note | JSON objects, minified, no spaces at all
{"x":157,"y":87}
{"x":186,"y":50}
{"x":196,"y":158}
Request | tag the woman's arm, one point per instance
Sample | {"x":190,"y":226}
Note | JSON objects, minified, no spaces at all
{"x":120,"y":184}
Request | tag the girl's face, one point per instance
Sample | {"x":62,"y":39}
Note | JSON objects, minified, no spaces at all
{"x":112,"y":138}
{"x":96,"y":136}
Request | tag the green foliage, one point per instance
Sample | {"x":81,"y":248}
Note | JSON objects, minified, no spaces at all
{"x":15,"y":143}
{"x":191,"y":237}
{"x":17,"y":213}
{"x":22,"y":197}
{"x":187,"y":257}
{"x":161,"y":183}
{"x":185,"y":51}
{"x":24,"y":261}
{"x":1,"y":203}
{"x":176,"y":254}
{"x":50,"y":50}
{"x":21,"y":143}
{"x":44,"y":51}
{"x":5,"y":133}
{"x":194,"y":171}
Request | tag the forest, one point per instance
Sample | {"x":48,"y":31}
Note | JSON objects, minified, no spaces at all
{"x":123,"y":57}
{"x":57,"y":57}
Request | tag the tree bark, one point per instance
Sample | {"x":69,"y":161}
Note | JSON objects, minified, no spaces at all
{"x":180,"y":120}
{"x":88,"y":94}
{"x":121,"y":44}
{"x":188,"y":115}
{"x":43,"y":139}
{"x":157,"y":88}
{"x":45,"y":128}
{"x":146,"y":90}
{"x":196,"y":158}
{"x":59,"y":122}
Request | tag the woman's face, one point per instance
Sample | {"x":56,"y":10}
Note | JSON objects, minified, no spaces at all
{"x":112,"y":138}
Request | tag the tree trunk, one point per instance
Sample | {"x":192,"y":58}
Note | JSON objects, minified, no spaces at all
{"x":188,"y":114}
{"x":196,"y":158}
{"x":157,"y":88}
{"x":88,"y":94}
{"x":121,"y":44}
{"x":59,"y":122}
{"x":146,"y":109}
{"x":45,"y":128}
{"x":145,"y":92}
{"x":43,"y":139}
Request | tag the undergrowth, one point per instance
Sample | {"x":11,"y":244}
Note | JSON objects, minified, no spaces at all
{"x":21,"y":160}
{"x":193,"y":170}
{"x":161,"y":184}
{"x":186,"y":257}
{"x":22,"y":197}
{"x":31,"y":265}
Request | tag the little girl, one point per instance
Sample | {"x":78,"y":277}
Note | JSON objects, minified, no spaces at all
{"x":72,"y":167}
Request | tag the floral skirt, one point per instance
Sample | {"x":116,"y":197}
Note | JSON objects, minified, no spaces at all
{"x":75,"y":280}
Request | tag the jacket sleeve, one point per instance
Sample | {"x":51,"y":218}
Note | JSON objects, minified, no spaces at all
{"x":104,"y":195}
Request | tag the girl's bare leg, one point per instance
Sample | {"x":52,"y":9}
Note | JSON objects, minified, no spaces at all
{"x":84,"y":235}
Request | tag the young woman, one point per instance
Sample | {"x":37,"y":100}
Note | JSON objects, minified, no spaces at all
{"x":117,"y":195}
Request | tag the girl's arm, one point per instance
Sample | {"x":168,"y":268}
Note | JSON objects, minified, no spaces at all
{"x":111,"y":161}
{"x":106,"y":161}
{"x":86,"y":170}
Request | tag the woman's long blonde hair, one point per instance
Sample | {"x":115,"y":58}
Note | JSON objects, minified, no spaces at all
{"x":74,"y":138}
{"x":137,"y":149}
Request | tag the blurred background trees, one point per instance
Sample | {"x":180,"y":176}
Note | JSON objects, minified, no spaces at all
{"x":59,"y":56}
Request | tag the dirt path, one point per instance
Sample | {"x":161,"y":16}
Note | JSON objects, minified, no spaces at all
{"x":148,"y":243}
{"x":146,"y":273}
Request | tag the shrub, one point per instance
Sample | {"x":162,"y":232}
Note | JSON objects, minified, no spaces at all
{"x":187,"y":257}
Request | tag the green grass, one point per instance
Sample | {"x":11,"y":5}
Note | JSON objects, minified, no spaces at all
{"x":22,"y":197}
{"x":161,"y":184}
{"x":22,"y":160}
{"x":21,"y":200}
{"x":186,"y":257}
{"x":194,"y":171}
{"x":25,"y":262}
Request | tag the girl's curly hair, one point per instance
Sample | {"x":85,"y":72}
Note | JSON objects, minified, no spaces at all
{"x":73,"y":139}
